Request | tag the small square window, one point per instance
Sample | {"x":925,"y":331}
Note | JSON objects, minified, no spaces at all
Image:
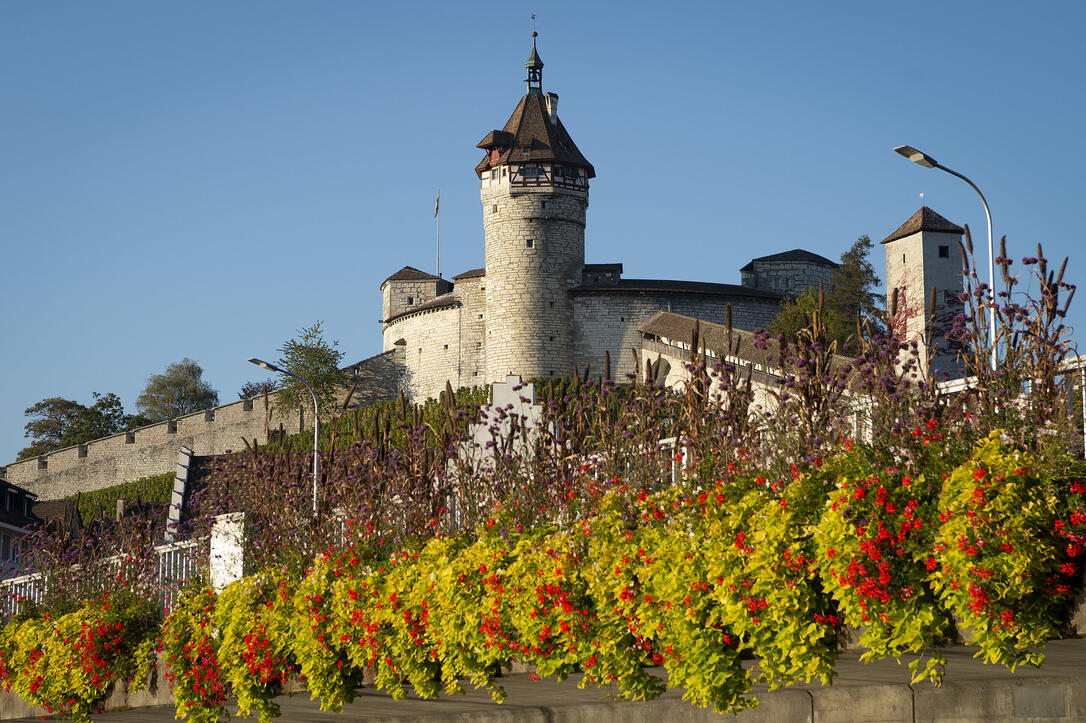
{"x":944,"y":252}
{"x":478,"y":345}
{"x":410,"y":300}
{"x":552,"y":338}
{"x":552,"y":304}
{"x":622,"y":318}
{"x":446,"y":346}
{"x":494,"y":173}
{"x":475,"y":374}
{"x":495,"y":208}
{"x":529,"y":243}
{"x":480,"y":316}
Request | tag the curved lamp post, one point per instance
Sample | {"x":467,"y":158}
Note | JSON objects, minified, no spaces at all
{"x":316,"y":420}
{"x":923,"y":159}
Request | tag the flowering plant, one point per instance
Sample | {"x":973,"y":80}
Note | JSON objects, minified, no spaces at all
{"x":70,"y":663}
{"x":999,"y":561}
{"x":873,"y":543}
{"x":190,"y":642}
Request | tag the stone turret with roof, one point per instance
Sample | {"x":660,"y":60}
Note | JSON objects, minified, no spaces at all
{"x":534,"y":192}
{"x":923,"y":262}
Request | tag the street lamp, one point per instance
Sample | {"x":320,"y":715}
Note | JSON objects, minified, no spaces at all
{"x":316,"y":420}
{"x":923,"y":159}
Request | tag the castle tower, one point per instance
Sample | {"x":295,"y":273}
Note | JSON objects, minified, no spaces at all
{"x":922,"y":257}
{"x":534,"y":191}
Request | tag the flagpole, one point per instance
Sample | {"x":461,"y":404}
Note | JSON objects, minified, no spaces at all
{"x":437,"y":222}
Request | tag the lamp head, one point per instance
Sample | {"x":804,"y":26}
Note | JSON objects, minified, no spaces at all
{"x":918,"y":157}
{"x":265,"y":365}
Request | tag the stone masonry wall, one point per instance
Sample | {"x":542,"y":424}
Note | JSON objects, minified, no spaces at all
{"x":534,"y":255}
{"x":396,"y":295}
{"x":609,"y":321}
{"x":787,"y":277}
{"x":148,"y":450}
{"x":153,"y":449}
{"x":915,"y":267}
{"x":472,"y":293}
{"x":432,"y":353}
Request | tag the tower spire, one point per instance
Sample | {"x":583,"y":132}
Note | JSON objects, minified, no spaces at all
{"x":534,"y":67}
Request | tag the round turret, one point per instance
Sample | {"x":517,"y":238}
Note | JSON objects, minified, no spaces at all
{"x":534,"y":192}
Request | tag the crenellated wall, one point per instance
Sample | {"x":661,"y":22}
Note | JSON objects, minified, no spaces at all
{"x":153,"y":449}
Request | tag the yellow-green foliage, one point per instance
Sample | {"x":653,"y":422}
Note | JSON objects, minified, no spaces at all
{"x":154,"y":488}
{"x":691,"y":578}
{"x":1001,"y":563}
{"x":69,"y":664}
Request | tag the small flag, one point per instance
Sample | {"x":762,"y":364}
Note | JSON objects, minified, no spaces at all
{"x":437,"y":203}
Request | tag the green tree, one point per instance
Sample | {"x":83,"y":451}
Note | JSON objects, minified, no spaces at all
{"x":252,"y":389}
{"x":178,"y":391}
{"x":56,"y":423}
{"x":852,"y":295}
{"x":315,"y":360}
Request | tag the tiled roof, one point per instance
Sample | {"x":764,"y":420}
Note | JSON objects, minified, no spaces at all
{"x":410,"y":273}
{"x":924,"y":220}
{"x":682,"y":287}
{"x":679,"y":328}
{"x":793,"y":255}
{"x":470,"y":274}
{"x":445,"y":301}
{"x":60,"y":511}
{"x":531,"y":135}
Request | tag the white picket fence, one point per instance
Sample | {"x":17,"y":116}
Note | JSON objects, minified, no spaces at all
{"x":218,"y":557}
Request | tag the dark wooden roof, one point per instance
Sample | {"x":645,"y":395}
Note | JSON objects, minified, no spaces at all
{"x":64,"y":513}
{"x":446,"y":301}
{"x":602,"y":268}
{"x":531,"y":135}
{"x":410,"y":273}
{"x":471,"y":274}
{"x":924,"y":220}
{"x":793,"y":255}
{"x":681,"y":287}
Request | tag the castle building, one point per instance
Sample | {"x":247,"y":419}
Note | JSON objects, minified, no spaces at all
{"x":537,"y":309}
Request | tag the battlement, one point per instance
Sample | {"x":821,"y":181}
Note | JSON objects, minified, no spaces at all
{"x":152,"y":449}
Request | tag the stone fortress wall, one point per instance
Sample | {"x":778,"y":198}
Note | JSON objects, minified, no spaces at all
{"x":402,"y":296}
{"x":788,"y":273}
{"x":609,"y":321}
{"x":153,"y":449}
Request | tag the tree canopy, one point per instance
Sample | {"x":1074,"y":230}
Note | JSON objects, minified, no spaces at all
{"x":56,"y":423}
{"x":852,"y":295}
{"x":177,"y":391}
{"x":315,"y":360}
{"x":252,"y":389}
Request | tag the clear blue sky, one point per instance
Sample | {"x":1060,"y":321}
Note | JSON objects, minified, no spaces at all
{"x":202,"y":179}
